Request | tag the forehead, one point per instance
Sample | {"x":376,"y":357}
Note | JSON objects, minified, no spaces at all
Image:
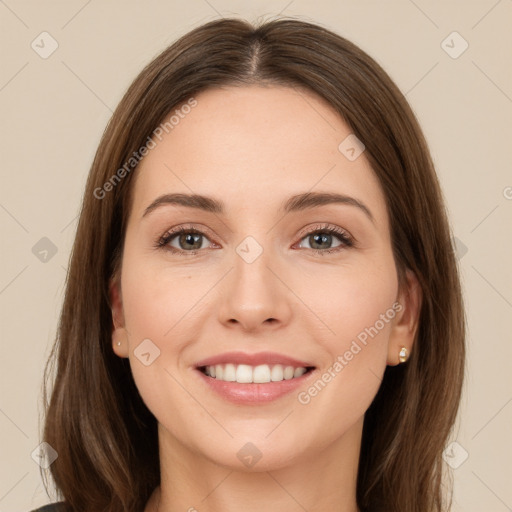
{"x":255,"y":145}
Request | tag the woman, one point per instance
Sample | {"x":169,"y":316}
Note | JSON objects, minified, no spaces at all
{"x":263,"y":308}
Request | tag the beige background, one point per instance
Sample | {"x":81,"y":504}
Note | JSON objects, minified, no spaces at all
{"x":53,"y":113}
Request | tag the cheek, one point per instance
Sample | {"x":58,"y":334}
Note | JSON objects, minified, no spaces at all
{"x":346,"y":300}
{"x":157,"y":297}
{"x":352,"y":324}
{"x":160,"y":303}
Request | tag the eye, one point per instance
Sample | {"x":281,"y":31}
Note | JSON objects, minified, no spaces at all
{"x":321,"y":239}
{"x":183,"y":240}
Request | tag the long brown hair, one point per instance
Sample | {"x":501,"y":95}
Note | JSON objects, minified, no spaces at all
{"x":105,"y":436}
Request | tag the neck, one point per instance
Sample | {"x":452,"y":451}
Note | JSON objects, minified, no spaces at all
{"x":321,"y":480}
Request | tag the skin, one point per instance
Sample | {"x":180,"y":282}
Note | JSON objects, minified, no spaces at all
{"x":252,"y":147}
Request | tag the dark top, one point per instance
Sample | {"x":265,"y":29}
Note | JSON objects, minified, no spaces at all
{"x":53,"y":507}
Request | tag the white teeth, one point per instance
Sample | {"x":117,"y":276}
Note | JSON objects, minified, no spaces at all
{"x":298,"y":372}
{"x":229,"y":373}
{"x":277,"y":373}
{"x":288,"y":372}
{"x":244,"y":373}
{"x":261,"y":373}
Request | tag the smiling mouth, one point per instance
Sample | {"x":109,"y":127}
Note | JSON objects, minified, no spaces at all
{"x":260,"y":374}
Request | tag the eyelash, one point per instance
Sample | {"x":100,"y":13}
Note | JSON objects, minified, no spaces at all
{"x":346,"y":240}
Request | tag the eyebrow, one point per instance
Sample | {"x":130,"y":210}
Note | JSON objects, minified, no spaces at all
{"x":296,"y":203}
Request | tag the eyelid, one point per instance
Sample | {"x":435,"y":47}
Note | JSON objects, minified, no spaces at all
{"x":198,"y":228}
{"x":325,"y":226}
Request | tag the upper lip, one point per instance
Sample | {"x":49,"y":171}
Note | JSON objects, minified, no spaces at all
{"x":255,"y":359}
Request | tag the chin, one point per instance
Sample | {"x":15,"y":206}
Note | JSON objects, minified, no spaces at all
{"x":252,"y":458}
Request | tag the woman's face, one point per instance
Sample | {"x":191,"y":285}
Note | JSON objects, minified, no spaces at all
{"x":260,"y":284}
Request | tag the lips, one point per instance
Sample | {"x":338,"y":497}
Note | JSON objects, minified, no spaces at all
{"x":253,"y":378}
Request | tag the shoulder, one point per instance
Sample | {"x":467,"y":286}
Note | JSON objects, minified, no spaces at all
{"x":52,"y":507}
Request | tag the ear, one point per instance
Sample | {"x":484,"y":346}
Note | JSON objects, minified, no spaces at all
{"x":406,"y":321}
{"x":119,"y":333}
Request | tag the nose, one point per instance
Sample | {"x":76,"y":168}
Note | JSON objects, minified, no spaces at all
{"x":254,"y":295}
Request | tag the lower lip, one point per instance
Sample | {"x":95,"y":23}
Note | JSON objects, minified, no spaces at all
{"x":254,"y":393}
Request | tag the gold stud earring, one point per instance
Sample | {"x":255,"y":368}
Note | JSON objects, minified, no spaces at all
{"x":403,"y":355}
